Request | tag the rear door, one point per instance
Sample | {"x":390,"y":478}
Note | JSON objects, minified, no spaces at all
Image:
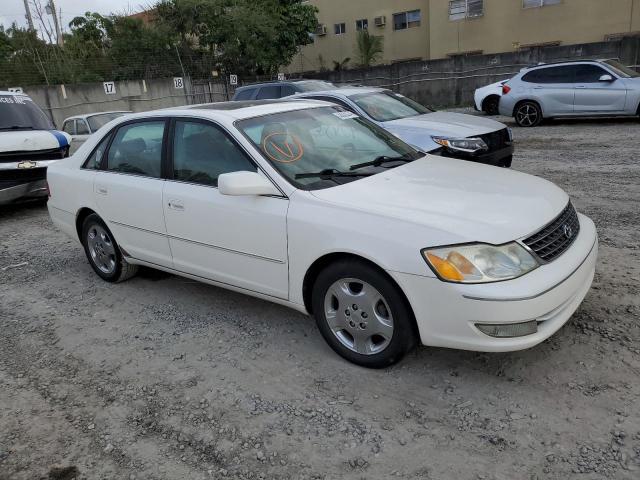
{"x":553,"y":87}
{"x":595,"y":96}
{"x":128,"y":190}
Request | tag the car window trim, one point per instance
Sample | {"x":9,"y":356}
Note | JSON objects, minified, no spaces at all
{"x":114,"y":132}
{"x":169,"y":176}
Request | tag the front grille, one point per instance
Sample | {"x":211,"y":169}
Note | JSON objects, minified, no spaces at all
{"x":555,"y":238}
{"x":35,"y":155}
{"x":496,"y":140}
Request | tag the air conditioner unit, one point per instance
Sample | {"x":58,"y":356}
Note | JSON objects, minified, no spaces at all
{"x":380,"y":21}
{"x":321,"y":30}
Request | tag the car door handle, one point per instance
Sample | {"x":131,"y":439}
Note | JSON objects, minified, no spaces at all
{"x":581,"y":86}
{"x":102,"y":190}
{"x":175,"y":205}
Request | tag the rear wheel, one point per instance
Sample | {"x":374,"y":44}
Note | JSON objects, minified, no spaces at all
{"x":362,"y":315}
{"x":103,"y":252}
{"x":528,"y":114}
{"x":490,"y":105}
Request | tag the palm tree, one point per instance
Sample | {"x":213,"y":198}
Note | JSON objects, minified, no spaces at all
{"x":369,"y":48}
{"x":340,"y":65}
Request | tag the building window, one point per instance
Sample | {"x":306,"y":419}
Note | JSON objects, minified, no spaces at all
{"x":339,"y":28}
{"x":362,"y":24}
{"x":460,"y":9}
{"x":538,"y":3}
{"x":404,"y":20}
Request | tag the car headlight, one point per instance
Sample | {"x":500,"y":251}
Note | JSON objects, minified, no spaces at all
{"x":466,"y":145}
{"x":479,"y":262}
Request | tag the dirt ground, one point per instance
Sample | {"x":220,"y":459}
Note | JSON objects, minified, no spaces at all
{"x":165,"y":378}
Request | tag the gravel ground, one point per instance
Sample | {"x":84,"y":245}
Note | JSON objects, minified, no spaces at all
{"x":165,"y":378}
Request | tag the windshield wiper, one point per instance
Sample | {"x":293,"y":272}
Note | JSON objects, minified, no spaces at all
{"x":330,"y":173}
{"x":17,"y":127}
{"x":381,"y":160}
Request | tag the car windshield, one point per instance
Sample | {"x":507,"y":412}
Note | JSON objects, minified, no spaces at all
{"x":18,"y":112}
{"x":328,"y":140}
{"x":622,"y":70}
{"x":97,"y":121}
{"x":314,"y":85}
{"x":385,"y":106}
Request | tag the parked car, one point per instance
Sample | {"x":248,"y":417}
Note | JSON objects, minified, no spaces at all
{"x":486,"y":99}
{"x":28,"y":145}
{"x":385,"y":245}
{"x":456,"y":135}
{"x":584,"y":88}
{"x":285,"y":88}
{"x":81,"y":126}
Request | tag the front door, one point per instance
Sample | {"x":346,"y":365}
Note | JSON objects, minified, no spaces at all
{"x":236,"y":240}
{"x":128,"y":191}
{"x":595,"y":96}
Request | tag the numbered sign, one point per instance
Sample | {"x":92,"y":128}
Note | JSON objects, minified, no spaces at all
{"x":16,"y":90}
{"x":178,"y":82}
{"x":109,"y":88}
{"x":281,"y":77}
{"x":233,"y":79}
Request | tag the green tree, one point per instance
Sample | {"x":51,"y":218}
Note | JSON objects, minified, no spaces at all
{"x":341,"y":64}
{"x":369,"y":48}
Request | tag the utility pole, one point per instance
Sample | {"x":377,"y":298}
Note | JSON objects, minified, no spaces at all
{"x":29,"y":17}
{"x":56,"y":23}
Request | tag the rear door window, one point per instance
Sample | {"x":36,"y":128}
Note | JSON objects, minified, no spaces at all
{"x":82,"y":128}
{"x":69,"y":127}
{"x":562,"y":74}
{"x":287,"y":90}
{"x":137,"y":149}
{"x":270,"y":91}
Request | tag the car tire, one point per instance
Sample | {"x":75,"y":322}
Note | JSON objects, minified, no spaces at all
{"x":490,"y":105}
{"x":362,"y":314}
{"x":103,"y":252}
{"x":528,"y":114}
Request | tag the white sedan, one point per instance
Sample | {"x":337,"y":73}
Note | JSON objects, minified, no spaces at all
{"x":310,"y":206}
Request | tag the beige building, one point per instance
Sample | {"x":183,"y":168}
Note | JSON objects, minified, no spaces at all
{"x":430,"y":29}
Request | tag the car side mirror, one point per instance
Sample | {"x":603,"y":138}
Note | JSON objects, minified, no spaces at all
{"x":245,"y":183}
{"x":606,"y":78}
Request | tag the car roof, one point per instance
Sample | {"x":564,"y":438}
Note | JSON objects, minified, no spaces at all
{"x":280,"y":82}
{"x":343,"y":91}
{"x":238,"y":110}
{"x":87,"y":115}
{"x":567,"y":62}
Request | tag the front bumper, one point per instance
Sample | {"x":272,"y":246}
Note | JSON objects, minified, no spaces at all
{"x":446,"y":313}
{"x":18,"y":183}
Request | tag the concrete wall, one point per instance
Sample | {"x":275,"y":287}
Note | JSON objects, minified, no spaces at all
{"x":62,"y":101}
{"x":451,"y":82}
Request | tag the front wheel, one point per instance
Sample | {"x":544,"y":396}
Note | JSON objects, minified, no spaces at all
{"x":528,"y":114}
{"x":362,"y":314}
{"x":103,"y":252}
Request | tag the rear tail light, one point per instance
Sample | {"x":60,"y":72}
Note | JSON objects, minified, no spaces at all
{"x":505,"y":89}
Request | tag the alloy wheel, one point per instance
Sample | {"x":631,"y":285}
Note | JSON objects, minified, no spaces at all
{"x":359,"y":316}
{"x":527,"y":115}
{"x":101,"y":249}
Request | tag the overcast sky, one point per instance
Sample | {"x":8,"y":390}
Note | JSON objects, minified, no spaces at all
{"x":13,"y":10}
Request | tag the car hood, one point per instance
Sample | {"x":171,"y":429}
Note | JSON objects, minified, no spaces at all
{"x":32,"y":140}
{"x":445,"y":124}
{"x":458,"y":201}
